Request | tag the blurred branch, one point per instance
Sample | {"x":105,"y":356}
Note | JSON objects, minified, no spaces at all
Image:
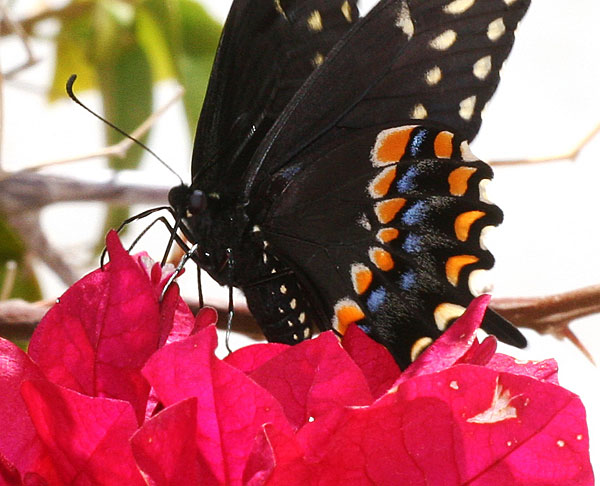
{"x":552,"y":314}
{"x":15,"y":27}
{"x":71,"y":10}
{"x":572,"y":155}
{"x":19,"y":318}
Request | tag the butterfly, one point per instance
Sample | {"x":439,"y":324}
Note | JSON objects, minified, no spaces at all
{"x":332,"y":179}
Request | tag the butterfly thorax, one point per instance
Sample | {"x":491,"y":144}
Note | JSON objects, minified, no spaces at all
{"x":219,"y":226}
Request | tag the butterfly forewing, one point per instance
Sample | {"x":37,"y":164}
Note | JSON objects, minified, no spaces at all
{"x":267,"y":50}
{"x":420,"y":59}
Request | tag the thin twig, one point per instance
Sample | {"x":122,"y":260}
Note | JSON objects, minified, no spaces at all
{"x":8,"y":283}
{"x":119,"y":149}
{"x":571,"y":155}
{"x":69,"y":11}
{"x":552,"y":314}
{"x":17,"y":28}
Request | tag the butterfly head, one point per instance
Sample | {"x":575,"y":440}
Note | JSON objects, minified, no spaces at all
{"x":208,"y":220}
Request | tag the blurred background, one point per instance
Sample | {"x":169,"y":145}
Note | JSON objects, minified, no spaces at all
{"x":132,"y":58}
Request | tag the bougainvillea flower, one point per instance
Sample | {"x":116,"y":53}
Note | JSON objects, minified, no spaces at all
{"x":121,"y":386}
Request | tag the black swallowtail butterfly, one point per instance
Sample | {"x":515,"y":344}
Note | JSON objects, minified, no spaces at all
{"x":332,"y":179}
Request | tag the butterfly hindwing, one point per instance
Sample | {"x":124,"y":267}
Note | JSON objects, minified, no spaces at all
{"x":392,"y":240}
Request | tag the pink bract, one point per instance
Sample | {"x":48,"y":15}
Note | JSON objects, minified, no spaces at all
{"x":123,"y":387}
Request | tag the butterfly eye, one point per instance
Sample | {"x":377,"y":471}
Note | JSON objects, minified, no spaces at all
{"x":197,"y":202}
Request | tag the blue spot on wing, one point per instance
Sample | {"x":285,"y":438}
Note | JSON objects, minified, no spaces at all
{"x":407,"y":182}
{"x":412,"y":243}
{"x":376,"y":299}
{"x":418,"y":139}
{"x":408,"y":280}
{"x":415,"y":214}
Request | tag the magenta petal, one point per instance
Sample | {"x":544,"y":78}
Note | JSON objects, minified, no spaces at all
{"x":249,"y":358}
{"x":232,"y":408}
{"x":546,"y":370}
{"x":87,"y":437}
{"x":97,"y":339}
{"x":165,"y":447}
{"x":375,"y":361}
{"x":207,"y":316}
{"x":452,"y":345}
{"x":19,"y":444}
{"x":463,"y":425}
{"x":312,"y":378}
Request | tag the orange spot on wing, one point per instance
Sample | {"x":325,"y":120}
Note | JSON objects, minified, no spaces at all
{"x":391,"y":146}
{"x":455,"y":264}
{"x":443,"y":145}
{"x":361,"y":278}
{"x":346,"y":314}
{"x":459,"y":180}
{"x":463,"y":223}
{"x":386,"y":235}
{"x":387,"y":210}
{"x":381,"y":184}
{"x":382,"y":259}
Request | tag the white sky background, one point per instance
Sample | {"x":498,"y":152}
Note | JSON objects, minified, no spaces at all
{"x":547,"y":101}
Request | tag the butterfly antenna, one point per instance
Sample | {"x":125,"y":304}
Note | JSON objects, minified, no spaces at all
{"x":71,"y":94}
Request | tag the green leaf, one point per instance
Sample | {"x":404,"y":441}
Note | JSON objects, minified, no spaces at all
{"x":72,"y":44}
{"x":192,"y":38}
{"x":12,"y":248}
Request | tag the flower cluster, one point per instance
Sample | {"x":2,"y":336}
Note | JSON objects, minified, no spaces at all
{"x":121,"y":387}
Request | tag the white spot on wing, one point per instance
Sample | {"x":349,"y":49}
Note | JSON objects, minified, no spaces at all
{"x":500,"y":408}
{"x":419,"y":112}
{"x":444,"y":41}
{"x":496,"y":29}
{"x":465,"y":152}
{"x":458,"y":6}
{"x":482,"y":68}
{"x":404,"y":21}
{"x":433,"y":76}
{"x":467,"y":108}
{"x":479,"y":282}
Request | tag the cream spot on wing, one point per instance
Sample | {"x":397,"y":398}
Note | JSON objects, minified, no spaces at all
{"x":279,"y":9}
{"x":444,"y":41}
{"x":446,"y":312}
{"x":315,"y":21}
{"x":404,"y":20}
{"x":496,"y":29}
{"x":419,"y":346}
{"x":433,"y":76}
{"x":318,"y":59}
{"x":283,"y":289}
{"x":500,"y":409}
{"x":459,"y":6}
{"x":347,"y":11}
{"x":306,"y":332}
{"x":419,"y":112}
{"x":482,"y":68}
{"x":467,"y":108}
